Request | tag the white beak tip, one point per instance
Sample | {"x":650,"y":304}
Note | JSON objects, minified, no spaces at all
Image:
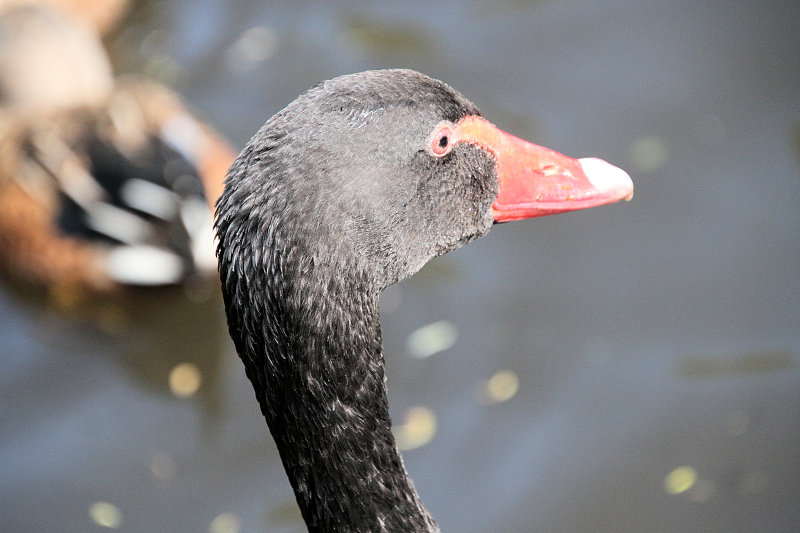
{"x":606,"y":177}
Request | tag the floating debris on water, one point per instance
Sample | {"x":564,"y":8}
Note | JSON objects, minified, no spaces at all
{"x":417,"y":430}
{"x":747,"y":363}
{"x":501,"y":387}
{"x":184,"y":380}
{"x":432,"y":339}
{"x":255,"y":46}
{"x":680,"y":480}
{"x":225,"y":523}
{"x":647,"y":154}
{"x":105,"y":514}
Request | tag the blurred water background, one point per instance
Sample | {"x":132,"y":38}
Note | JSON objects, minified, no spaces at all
{"x":630,"y":368}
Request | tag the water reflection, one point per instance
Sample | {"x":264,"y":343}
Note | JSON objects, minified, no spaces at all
{"x":225,"y":523}
{"x":106,"y":515}
{"x":680,"y":480}
{"x":432,"y":339}
{"x":417,"y":429}
{"x":255,"y":46}
{"x":501,"y":387}
{"x":152,"y":334}
{"x":648,"y":154}
{"x":749,"y":363}
{"x":384,"y":38}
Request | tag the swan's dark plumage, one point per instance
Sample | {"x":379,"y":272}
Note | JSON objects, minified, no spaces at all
{"x":352,"y":187}
{"x":331,"y":201}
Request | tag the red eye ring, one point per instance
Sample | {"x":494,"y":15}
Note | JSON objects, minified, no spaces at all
{"x":442,"y":141}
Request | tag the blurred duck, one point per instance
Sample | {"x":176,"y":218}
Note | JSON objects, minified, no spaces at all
{"x":103,"y":183}
{"x":102,"y":15}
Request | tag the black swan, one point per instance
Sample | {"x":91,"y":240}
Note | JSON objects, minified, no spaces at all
{"x":104,"y":183}
{"x":353,"y":186}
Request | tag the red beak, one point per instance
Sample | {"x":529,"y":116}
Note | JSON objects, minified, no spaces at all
{"x":534,"y":181}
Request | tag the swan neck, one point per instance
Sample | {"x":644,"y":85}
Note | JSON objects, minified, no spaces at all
{"x":321,"y":389}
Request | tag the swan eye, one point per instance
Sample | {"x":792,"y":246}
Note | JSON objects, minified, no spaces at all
{"x":442,"y":141}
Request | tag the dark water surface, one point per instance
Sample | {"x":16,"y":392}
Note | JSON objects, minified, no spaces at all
{"x":655,"y":344}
